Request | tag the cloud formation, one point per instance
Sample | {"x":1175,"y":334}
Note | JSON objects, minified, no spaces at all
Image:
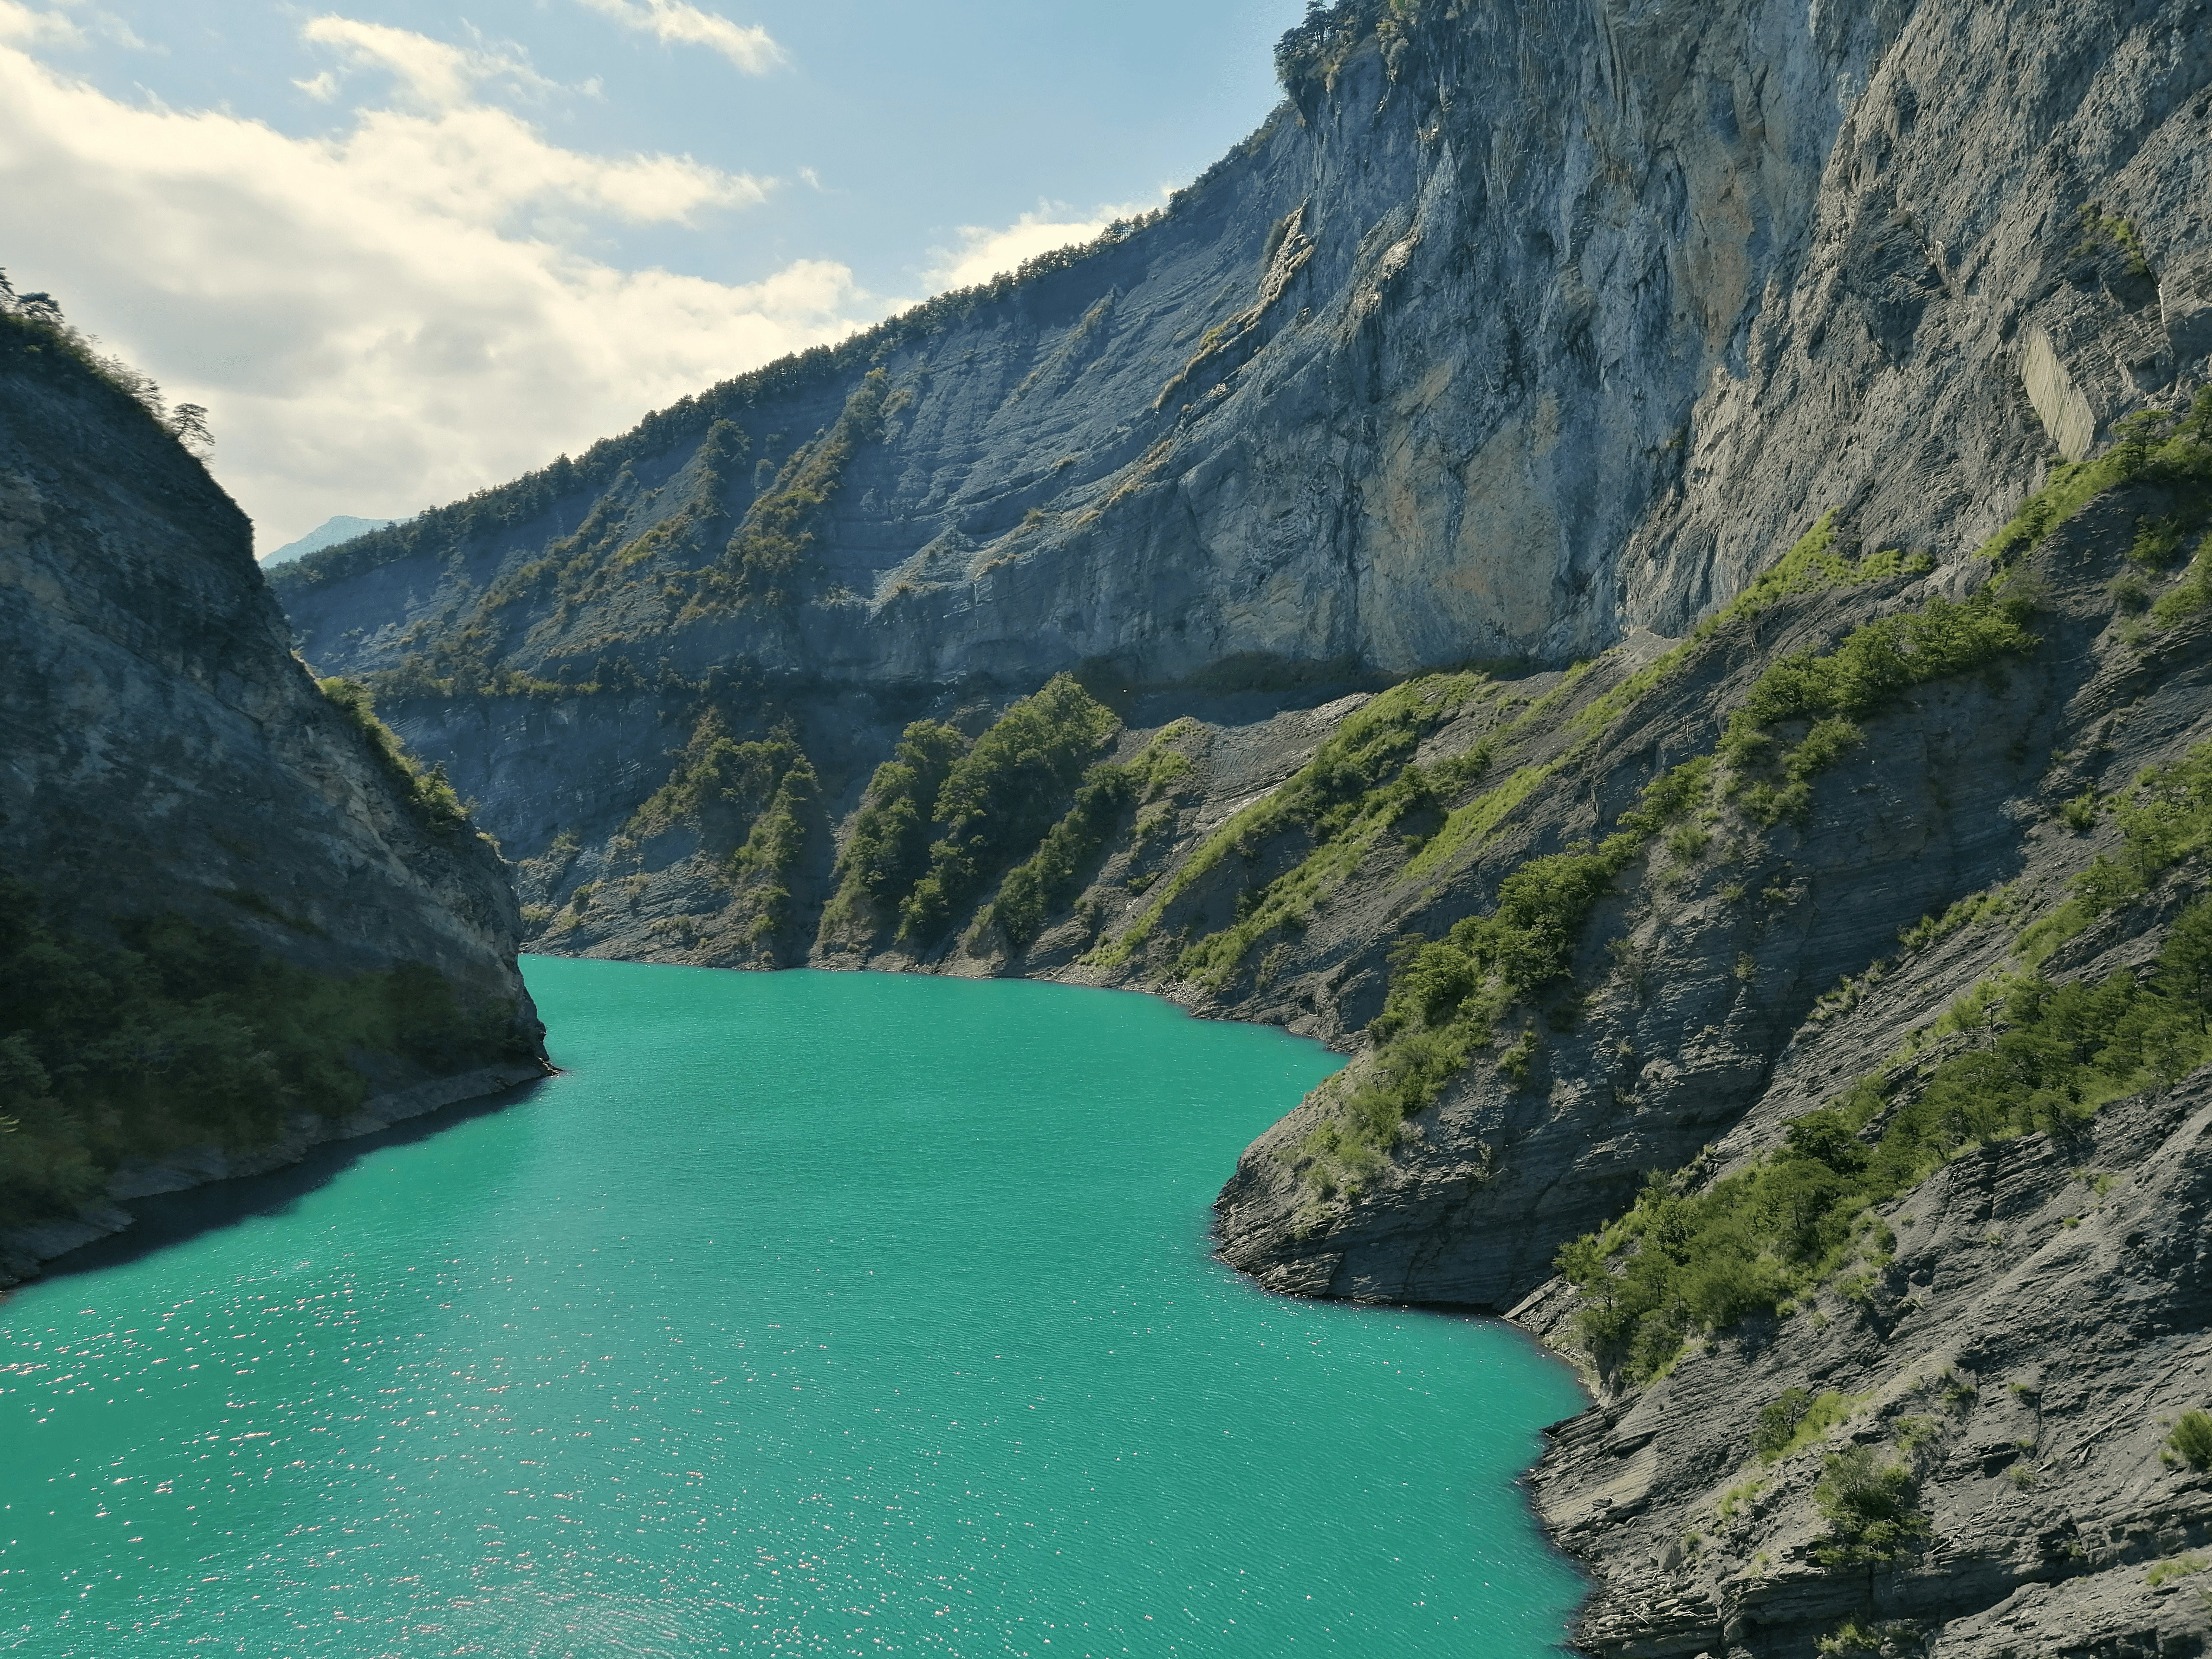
{"x":985,"y":252}
{"x":747,"y":45}
{"x":433,"y":74}
{"x":392,"y":316}
{"x":49,"y":28}
{"x":30,"y":27}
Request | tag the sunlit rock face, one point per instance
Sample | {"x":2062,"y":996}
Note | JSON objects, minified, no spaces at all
{"x":1508,"y":331}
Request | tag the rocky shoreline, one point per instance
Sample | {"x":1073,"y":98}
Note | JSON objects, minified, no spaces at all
{"x":24,"y":1251}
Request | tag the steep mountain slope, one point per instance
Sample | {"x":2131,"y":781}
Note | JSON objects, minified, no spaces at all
{"x":1509,"y":333}
{"x":1199,"y":613}
{"x":1841,"y":979}
{"x":253,"y":923}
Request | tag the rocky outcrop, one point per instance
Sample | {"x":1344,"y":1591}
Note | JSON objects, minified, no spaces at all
{"x":1498,"y":341}
{"x":2043,"y":1323}
{"x":168,"y":756}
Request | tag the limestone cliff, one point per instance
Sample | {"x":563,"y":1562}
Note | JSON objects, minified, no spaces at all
{"x":1618,"y":562}
{"x":171,"y":765}
{"x":1514,"y":329}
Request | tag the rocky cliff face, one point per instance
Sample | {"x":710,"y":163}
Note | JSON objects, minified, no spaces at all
{"x":1685,"y":371}
{"x":169,"y":758}
{"x":1514,"y":329}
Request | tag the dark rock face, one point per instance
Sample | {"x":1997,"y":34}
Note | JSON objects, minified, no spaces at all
{"x":167,"y":754}
{"x":1516,"y":334}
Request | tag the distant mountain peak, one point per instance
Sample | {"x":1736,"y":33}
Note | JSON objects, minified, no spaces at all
{"x":329,"y":533}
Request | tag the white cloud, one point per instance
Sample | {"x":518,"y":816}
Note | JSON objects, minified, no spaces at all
{"x":22,"y":23}
{"x":984,"y":252}
{"x":435,"y":74}
{"x":746,"y":45}
{"x":365,"y":316}
{"x":42,"y":28}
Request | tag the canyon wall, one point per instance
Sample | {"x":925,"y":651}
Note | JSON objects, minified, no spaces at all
{"x":1619,"y":562}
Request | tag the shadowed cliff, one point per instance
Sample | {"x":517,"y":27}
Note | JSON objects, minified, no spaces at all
{"x":237,"y":918}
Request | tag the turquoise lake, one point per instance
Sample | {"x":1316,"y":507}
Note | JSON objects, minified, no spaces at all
{"x":805,"y":1313}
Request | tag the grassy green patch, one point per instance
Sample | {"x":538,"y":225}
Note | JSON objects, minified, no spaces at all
{"x":2191,"y":593}
{"x":1972,"y":911}
{"x":1795,"y":1418}
{"x":1873,"y":666}
{"x":1811,"y":566}
{"x":2191,"y":1439}
{"x":1975,"y":910}
{"x":2174,"y":1566}
{"x":2100,"y":231}
{"x":1379,"y":740}
{"x":1738,"y":1497}
{"x":1473,"y":823}
{"x":2164,"y":818}
{"x":2154,"y":448}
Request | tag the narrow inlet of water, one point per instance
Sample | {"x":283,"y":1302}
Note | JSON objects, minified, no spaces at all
{"x":806,"y":1313}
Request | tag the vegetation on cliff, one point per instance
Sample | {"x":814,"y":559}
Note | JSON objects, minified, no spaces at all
{"x":177,"y":1034}
{"x":34,"y":335}
{"x":765,"y":865}
{"x":1001,"y":798}
{"x":888,"y":850}
{"x":716,"y":776}
{"x":2045,"y":1057}
{"x":1447,"y":996}
{"x":1798,"y":718}
{"x":427,"y":793}
{"x":761,"y":567}
{"x":1359,"y":783}
{"x":1042,"y":884}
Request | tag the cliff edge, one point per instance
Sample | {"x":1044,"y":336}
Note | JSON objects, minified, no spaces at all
{"x":256,"y":923}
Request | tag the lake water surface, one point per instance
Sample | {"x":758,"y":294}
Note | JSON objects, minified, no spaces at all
{"x":806,"y":1314}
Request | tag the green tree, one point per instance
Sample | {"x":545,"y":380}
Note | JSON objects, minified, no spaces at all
{"x":888,"y":850}
{"x":2185,"y":969}
{"x":2191,"y":1439}
{"x":1002,"y":796}
{"x":1869,"y":1509}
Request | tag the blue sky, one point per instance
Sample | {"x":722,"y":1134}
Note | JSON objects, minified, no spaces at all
{"x":402,"y":250}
